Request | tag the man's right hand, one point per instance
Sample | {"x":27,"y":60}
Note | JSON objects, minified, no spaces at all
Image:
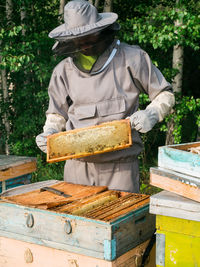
{"x":41,"y":139}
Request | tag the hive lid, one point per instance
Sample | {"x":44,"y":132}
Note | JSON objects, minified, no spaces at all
{"x":170,"y":204}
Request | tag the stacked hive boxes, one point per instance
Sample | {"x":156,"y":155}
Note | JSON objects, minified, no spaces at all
{"x":177,"y":209}
{"x":92,"y":227}
{"x":15,"y":171}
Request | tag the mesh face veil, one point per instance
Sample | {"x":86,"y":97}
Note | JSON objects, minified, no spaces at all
{"x":89,"y":45}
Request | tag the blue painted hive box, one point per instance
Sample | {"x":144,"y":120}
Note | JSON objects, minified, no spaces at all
{"x":183,"y":158}
{"x":15,"y":171}
{"x":90,"y":220}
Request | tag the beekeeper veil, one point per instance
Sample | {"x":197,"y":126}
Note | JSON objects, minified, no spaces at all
{"x":85,"y":30}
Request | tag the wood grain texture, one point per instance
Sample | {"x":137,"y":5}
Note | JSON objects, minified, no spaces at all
{"x":87,"y":237}
{"x":175,"y":186}
{"x":8,"y":161}
{"x":60,"y":155}
{"x":125,"y":224}
{"x":15,"y":182}
{"x":178,"y":158}
{"x":27,"y":188}
{"x":170,"y":204}
{"x":48,"y":200}
{"x":24,"y":254}
{"x":17,"y":170}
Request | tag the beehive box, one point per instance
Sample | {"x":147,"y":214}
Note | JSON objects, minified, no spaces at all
{"x":178,"y":230}
{"x":15,"y":171}
{"x":19,"y":253}
{"x":94,"y":221}
{"x":183,"y":158}
{"x":106,"y":137}
{"x":176,"y":182}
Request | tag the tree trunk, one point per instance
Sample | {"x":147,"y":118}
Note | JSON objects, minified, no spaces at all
{"x":97,"y":3}
{"x":5,"y":116}
{"x":4,"y":87}
{"x":107,"y":6}
{"x":23,"y":17}
{"x":9,"y":9}
{"x":177,"y":63}
{"x":61,"y":11}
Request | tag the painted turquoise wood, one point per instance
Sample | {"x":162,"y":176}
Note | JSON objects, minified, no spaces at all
{"x":110,"y":249}
{"x":179,"y":160}
{"x":17,"y":181}
{"x":104,"y":240}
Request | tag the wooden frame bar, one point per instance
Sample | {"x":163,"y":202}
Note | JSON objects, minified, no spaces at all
{"x":102,"y":126}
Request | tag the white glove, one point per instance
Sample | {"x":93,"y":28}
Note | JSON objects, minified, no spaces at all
{"x":144,"y":120}
{"x":55,"y":123}
{"x":41,"y":139}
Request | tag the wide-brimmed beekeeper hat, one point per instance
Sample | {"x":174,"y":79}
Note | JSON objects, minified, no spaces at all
{"x":81,"y":18}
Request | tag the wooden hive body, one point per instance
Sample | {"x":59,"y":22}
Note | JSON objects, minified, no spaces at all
{"x":180,"y":158}
{"x":102,"y":230}
{"x":176,"y":182}
{"x":15,"y":171}
{"x":89,"y":141}
{"x":19,"y":253}
{"x":177,"y":230}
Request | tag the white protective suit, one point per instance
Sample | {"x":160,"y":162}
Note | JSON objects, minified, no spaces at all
{"x":107,"y":92}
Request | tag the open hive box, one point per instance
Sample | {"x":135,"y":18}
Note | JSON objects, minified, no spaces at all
{"x":92,"y":221}
{"x":106,"y":137}
{"x":183,"y":158}
{"x":179,"y":170}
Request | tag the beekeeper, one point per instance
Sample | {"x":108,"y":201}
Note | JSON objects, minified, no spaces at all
{"x":100,"y":80}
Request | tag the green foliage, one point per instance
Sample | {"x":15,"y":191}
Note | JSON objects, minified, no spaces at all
{"x":186,"y":116}
{"x":26,"y":57}
{"x":47,"y":171}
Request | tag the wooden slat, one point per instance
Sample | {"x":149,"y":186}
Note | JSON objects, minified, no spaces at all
{"x":60,"y":147}
{"x":18,"y":253}
{"x":88,"y":201}
{"x":48,"y":200}
{"x":178,"y":158}
{"x":18,"y":170}
{"x":123,"y":228}
{"x":8,"y":161}
{"x":176,"y":182}
{"x":170,"y":204}
{"x":117,"y":208}
{"x":87,"y":204}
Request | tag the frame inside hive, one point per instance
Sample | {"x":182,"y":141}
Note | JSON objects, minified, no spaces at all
{"x":94,"y":202}
{"x":106,"y":137}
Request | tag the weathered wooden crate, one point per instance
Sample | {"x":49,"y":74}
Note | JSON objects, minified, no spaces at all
{"x":176,"y":182}
{"x":180,"y":158}
{"x":94,"y":221}
{"x":18,"y":253}
{"x":177,"y":230}
{"x":15,"y":171}
{"x":92,"y":140}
